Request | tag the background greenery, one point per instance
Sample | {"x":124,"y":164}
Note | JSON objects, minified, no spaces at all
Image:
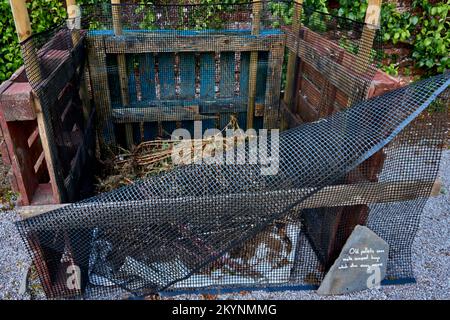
{"x":422,"y":33}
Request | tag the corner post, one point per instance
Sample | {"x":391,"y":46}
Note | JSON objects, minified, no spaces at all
{"x":292,"y":61}
{"x":256,"y":25}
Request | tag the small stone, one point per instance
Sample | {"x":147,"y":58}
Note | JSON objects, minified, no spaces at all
{"x":361,"y":264}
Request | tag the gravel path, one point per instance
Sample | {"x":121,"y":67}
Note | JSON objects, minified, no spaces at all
{"x":431,"y":254}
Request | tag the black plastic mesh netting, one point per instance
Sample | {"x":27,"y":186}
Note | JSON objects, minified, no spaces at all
{"x":154,"y":68}
{"x":220,"y":225}
{"x":55,"y":63}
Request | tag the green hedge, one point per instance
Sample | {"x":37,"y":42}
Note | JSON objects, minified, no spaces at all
{"x":43,"y":14}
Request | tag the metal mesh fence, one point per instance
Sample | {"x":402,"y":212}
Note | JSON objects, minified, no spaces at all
{"x":154,"y":68}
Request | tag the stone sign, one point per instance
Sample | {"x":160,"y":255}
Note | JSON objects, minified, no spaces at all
{"x":361,"y":264}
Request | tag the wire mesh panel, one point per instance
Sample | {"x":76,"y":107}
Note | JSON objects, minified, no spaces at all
{"x":218,"y":225}
{"x":55,"y":66}
{"x":278,"y":221}
{"x":159,"y":67}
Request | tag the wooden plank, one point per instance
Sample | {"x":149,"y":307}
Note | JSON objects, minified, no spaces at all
{"x":273,"y":87}
{"x":336,"y":74}
{"x":207,"y":75}
{"x":73,"y":14}
{"x":147,"y":76}
{"x":331,"y":196}
{"x":131,"y":75}
{"x":100,"y":88}
{"x":122,"y":65}
{"x":160,"y":42}
{"x":23,"y":29}
{"x":253,"y":71}
{"x":53,"y":169}
{"x":227,"y":74}
{"x":187,"y":75}
{"x":39,"y":162}
{"x":166,"y":73}
{"x":363,"y":58}
{"x":289,"y":91}
{"x":156,"y":114}
{"x":244,"y":69}
{"x":16,"y":102}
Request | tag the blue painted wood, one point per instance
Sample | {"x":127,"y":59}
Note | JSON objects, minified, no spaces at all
{"x":187,"y":75}
{"x":261,"y":76}
{"x":240,"y":32}
{"x":207,"y":75}
{"x":227,"y":74}
{"x":166,"y":64}
{"x":113,"y":81}
{"x":136,"y":133}
{"x":132,"y":91}
{"x":150,"y":131}
{"x":147,"y":76}
{"x":244,"y":72}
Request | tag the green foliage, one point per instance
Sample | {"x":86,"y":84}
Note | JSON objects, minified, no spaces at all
{"x":43,"y":14}
{"x":432,"y":39}
{"x":426,"y":28}
{"x":10,"y":58}
{"x":391,"y":69}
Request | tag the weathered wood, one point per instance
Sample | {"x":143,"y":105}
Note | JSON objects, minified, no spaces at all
{"x":253,"y":68}
{"x":122,"y":67}
{"x":154,"y":114}
{"x":53,"y":170}
{"x":23,"y":29}
{"x":331,"y":196}
{"x":154,"y":42}
{"x":337,"y":74}
{"x":363,"y":58}
{"x":74,"y":14}
{"x":273,"y":86}
{"x":16,"y":101}
{"x":100,"y":88}
{"x":289,"y":91}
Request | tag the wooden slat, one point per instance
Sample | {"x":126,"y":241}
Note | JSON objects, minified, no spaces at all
{"x":53,"y":169}
{"x":102,"y":95}
{"x":147,"y":76}
{"x":244,"y":73}
{"x":156,"y":43}
{"x":166,"y":72}
{"x":227,"y":72}
{"x":122,"y":65}
{"x":253,"y":71}
{"x":331,"y":196}
{"x":129,"y":115}
{"x":39,"y":162}
{"x":187,"y":75}
{"x":363,"y":58}
{"x":207,"y":75}
{"x":289,"y":91}
{"x":273,"y":86}
{"x":34,"y":136}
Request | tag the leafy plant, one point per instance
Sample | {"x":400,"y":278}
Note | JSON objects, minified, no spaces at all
{"x":43,"y":14}
{"x":432,"y":40}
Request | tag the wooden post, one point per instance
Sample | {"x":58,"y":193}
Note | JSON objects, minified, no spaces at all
{"x":292,"y":61}
{"x":256,"y":22}
{"x":122,"y":66}
{"x":73,"y":13}
{"x":363,"y":57}
{"x":23,"y":28}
